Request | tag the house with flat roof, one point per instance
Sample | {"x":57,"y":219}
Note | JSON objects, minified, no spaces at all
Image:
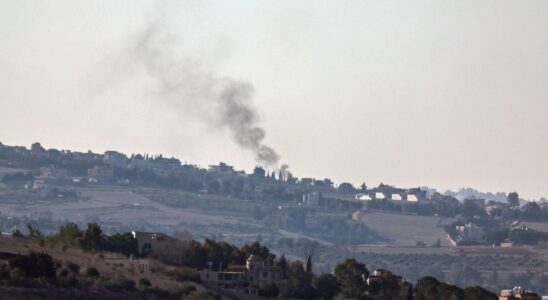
{"x":254,"y":271}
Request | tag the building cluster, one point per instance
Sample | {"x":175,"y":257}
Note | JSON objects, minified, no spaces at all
{"x":392,"y":194}
{"x":519,"y":293}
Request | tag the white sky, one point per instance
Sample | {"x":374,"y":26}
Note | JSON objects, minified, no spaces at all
{"x":439,"y":93}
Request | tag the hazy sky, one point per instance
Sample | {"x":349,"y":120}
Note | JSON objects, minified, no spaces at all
{"x":439,"y":93}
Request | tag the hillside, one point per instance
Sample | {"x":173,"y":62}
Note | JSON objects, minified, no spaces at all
{"x":113,"y":282}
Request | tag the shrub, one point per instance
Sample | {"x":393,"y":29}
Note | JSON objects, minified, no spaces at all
{"x":268,"y":289}
{"x":184,"y":274}
{"x":144,"y":282}
{"x":74,"y":268}
{"x":158,"y":292}
{"x":91,"y":272}
{"x":202,"y":295}
{"x":16,"y":233}
{"x":63,"y":272}
{"x":187,"y":289}
{"x":119,"y":284}
{"x":4,"y":272}
{"x":34,"y":265}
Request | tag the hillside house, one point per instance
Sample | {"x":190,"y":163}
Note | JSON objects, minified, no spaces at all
{"x":221,"y":168}
{"x":469,"y":233}
{"x":159,"y":165}
{"x":154,"y":242}
{"x":254,"y":271}
{"x":311,"y":199}
{"x":53,"y":175}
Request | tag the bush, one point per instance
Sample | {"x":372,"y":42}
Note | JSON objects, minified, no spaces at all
{"x":202,"y":295}
{"x":158,"y":292}
{"x":144,"y":282}
{"x":34,"y":265}
{"x":268,"y":289}
{"x":187,"y":289}
{"x":91,"y":272}
{"x":16,"y":233}
{"x":74,"y":268}
{"x":63,"y":272}
{"x":4,"y":272}
{"x":119,"y":284}
{"x":184,"y":274}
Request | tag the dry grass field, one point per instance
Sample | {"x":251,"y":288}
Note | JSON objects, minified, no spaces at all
{"x":102,"y":261}
{"x":406,"y":230}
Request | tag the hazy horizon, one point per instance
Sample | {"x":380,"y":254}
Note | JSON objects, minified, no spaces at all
{"x":445,"y":95}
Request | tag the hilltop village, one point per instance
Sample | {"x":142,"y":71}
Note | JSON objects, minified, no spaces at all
{"x":498,"y":240}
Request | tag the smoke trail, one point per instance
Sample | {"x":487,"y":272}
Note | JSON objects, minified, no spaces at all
{"x":182,"y":83}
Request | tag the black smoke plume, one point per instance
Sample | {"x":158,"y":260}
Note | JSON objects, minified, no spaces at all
{"x":182,"y":83}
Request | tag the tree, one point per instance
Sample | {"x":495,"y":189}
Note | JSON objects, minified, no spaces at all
{"x":449,"y":292}
{"x":193,"y":255}
{"x":91,"y":239}
{"x":91,"y":272}
{"x":257,"y":249}
{"x":346,"y":188}
{"x":259,"y":172}
{"x":299,"y":282}
{"x":37,"y":148}
{"x":213,"y":186}
{"x":17,"y":233}
{"x":513,"y":199}
{"x":426,"y":288}
{"x":68,"y":233}
{"x":34,"y":232}
{"x":350,"y":275}
{"x":282,"y":263}
{"x":478,"y":293}
{"x":532,"y":212}
{"x":268,"y":289}
{"x":123,"y":243}
{"x":308,"y":264}
{"x":327,"y":286}
{"x":219,"y":253}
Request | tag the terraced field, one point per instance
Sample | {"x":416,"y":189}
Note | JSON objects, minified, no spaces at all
{"x":406,"y":230}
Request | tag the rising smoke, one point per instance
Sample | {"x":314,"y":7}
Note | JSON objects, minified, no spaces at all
{"x":182,"y":82}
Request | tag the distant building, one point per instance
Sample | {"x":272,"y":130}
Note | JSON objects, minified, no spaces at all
{"x":158,"y":165}
{"x":469,"y":233}
{"x":53,"y":175}
{"x":392,"y":194}
{"x":254,"y":272}
{"x":221,"y":168}
{"x":148,"y":242}
{"x":518,"y":293}
{"x":312,"y":199}
{"x":380,"y":275}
